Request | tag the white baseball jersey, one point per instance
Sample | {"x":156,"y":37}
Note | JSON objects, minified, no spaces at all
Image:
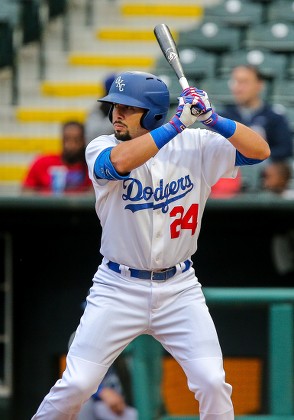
{"x":152,"y":219}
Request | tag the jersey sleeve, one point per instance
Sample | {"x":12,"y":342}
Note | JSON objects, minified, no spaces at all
{"x":99,"y":147}
{"x":218,"y":157}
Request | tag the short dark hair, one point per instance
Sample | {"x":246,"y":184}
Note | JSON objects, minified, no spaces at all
{"x":76,"y":124}
{"x":254,"y":69}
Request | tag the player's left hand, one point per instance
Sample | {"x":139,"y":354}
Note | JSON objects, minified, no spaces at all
{"x":201,"y":104}
{"x":184,"y":113}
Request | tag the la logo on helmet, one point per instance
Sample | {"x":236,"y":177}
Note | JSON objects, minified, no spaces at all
{"x":119,"y":83}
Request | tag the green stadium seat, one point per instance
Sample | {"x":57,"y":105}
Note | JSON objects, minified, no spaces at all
{"x":31,"y":23}
{"x":218,"y":90}
{"x":56,"y":8}
{"x":289,"y":113}
{"x":271,"y":65}
{"x":173,"y":85}
{"x":274,"y":36}
{"x":211,"y":37}
{"x":251,"y":178}
{"x":281,"y":10}
{"x":6,"y":44}
{"x":290,"y":69}
{"x":282,"y":92}
{"x":10,"y":15}
{"x":197,"y":64}
{"x":236,"y":13}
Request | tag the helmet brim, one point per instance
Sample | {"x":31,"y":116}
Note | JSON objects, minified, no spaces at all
{"x":114,"y":98}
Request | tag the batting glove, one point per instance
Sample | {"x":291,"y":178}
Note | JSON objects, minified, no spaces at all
{"x":183,"y":117}
{"x":202,"y":109}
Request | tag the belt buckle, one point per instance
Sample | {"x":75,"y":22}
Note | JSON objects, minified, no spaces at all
{"x":162,"y":274}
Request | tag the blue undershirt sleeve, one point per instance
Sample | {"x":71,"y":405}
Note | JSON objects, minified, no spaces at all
{"x":103,"y":167}
{"x":242,"y":160}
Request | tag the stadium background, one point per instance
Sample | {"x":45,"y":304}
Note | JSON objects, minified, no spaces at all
{"x":52,"y":71}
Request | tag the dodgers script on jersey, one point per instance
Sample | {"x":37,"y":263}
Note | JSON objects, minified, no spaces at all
{"x":151,"y":212}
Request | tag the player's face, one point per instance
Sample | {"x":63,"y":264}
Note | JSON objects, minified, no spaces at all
{"x":245,"y":87}
{"x":126,"y":122}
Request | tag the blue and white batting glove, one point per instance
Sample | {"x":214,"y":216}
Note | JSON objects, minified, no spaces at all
{"x":202,"y":108}
{"x":183,"y":117}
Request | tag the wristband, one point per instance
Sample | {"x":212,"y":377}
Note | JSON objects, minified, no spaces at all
{"x":162,"y":135}
{"x":223,"y":126}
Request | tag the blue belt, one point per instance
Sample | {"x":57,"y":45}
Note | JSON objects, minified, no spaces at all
{"x":150,"y":275}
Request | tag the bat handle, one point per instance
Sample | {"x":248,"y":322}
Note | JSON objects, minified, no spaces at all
{"x":183,"y":82}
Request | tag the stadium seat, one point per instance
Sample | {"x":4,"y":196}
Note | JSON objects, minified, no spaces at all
{"x":56,"y":7}
{"x":218,"y":90}
{"x":283,"y":92}
{"x":290,"y":69}
{"x":173,"y":85}
{"x":251,"y":178}
{"x":286,"y":110}
{"x":6,"y":44}
{"x":197,"y":64}
{"x":10,"y":14}
{"x":271,"y":65}
{"x":289,"y":113}
{"x":236,"y":13}
{"x":281,"y":10}
{"x":274,"y":36}
{"x":31,"y":22}
{"x":212,"y":37}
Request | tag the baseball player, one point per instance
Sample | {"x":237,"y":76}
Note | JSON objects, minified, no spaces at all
{"x":151,"y":181}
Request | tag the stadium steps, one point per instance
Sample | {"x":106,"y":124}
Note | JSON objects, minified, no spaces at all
{"x":75,"y":78}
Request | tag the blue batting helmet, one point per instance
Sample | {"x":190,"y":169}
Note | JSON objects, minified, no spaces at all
{"x":143,"y":90}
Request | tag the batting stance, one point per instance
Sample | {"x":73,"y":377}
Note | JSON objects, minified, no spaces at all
{"x":151,"y":182}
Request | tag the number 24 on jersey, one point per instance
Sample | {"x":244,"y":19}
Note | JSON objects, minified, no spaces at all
{"x":183,"y":220}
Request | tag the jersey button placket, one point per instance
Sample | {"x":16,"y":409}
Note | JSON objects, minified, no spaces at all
{"x":157,"y":240}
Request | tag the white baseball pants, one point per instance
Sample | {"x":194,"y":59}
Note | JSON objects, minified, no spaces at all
{"x":120,"y":308}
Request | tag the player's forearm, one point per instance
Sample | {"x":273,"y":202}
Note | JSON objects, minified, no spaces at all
{"x":249,"y":143}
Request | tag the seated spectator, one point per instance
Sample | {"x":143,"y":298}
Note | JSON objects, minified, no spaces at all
{"x":64,"y":172}
{"x":98,"y":122}
{"x":108,"y":403}
{"x":275,"y":177}
{"x":249,"y":108}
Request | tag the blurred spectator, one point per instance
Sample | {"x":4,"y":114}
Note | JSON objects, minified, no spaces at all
{"x":108,"y":403}
{"x":227,"y":187}
{"x":97,"y":122}
{"x":64,"y":172}
{"x":276,"y":177}
{"x":247,"y":85}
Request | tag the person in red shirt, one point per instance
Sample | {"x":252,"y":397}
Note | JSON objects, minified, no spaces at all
{"x":227,"y":187}
{"x":65,"y":172}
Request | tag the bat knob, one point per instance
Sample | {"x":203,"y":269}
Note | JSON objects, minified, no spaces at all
{"x":195,"y":111}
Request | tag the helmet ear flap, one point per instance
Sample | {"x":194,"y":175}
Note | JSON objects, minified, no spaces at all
{"x":143,"y":120}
